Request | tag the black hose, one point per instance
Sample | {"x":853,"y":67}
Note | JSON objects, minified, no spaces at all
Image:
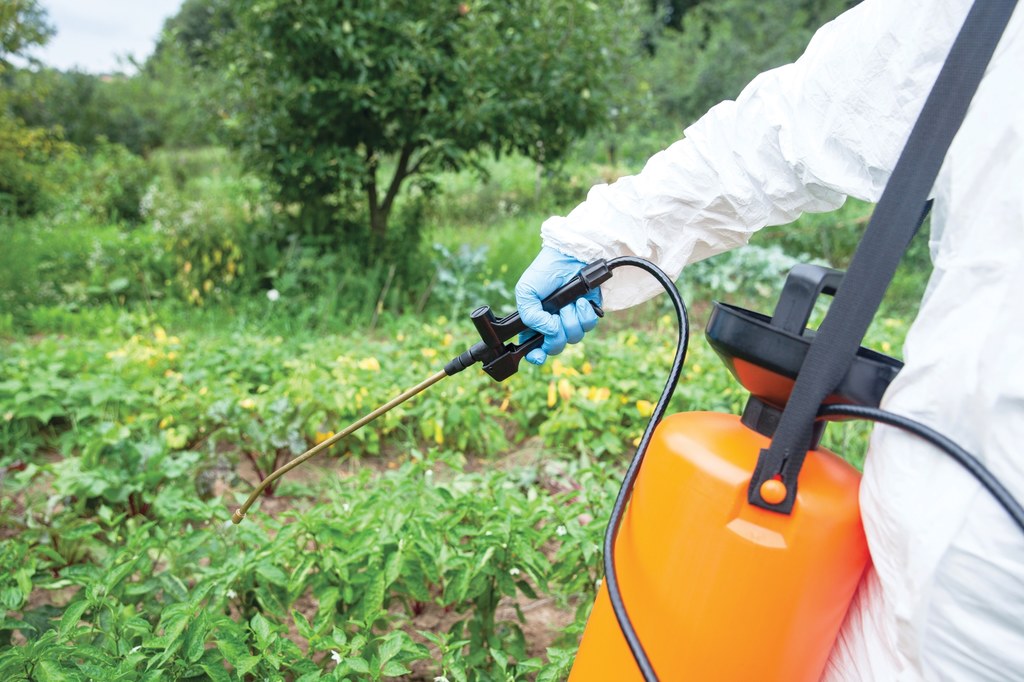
{"x":964,"y":458}
{"x":614,"y":593}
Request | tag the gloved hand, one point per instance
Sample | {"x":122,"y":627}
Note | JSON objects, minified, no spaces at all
{"x":550,"y":270}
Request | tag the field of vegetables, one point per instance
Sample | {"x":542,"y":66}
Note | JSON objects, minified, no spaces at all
{"x":448,"y":522}
{"x":455,"y":538}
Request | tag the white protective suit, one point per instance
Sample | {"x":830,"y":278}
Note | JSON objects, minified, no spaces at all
{"x":945,"y":598}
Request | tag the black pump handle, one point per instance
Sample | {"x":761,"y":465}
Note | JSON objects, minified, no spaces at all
{"x":501,"y":360}
{"x":804,"y":284}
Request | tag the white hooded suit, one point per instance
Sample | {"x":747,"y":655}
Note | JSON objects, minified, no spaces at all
{"x":945,"y":597}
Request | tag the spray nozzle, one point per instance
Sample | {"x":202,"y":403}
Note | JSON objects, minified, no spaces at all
{"x":501,"y":359}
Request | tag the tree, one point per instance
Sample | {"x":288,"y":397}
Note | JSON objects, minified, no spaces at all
{"x":724,"y":44}
{"x":22,"y":25}
{"x":336,"y":100}
{"x":24,"y":151}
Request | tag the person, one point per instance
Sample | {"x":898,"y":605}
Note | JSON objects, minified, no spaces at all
{"x":945,"y":596}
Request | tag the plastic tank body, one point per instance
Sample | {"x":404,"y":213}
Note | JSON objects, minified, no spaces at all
{"x":718,"y":589}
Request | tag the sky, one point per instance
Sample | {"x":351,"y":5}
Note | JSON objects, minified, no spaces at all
{"x":93,"y":34}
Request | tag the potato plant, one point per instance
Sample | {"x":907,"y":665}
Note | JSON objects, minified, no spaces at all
{"x":407,"y":552}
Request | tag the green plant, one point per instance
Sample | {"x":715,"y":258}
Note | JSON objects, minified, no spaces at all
{"x":334,"y":96}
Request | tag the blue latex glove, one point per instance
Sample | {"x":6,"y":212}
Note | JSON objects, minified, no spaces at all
{"x":549,"y":271}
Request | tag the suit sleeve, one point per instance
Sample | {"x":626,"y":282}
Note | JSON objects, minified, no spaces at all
{"x":799,"y":138}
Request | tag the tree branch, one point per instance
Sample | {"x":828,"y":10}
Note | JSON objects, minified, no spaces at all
{"x":402,"y":171}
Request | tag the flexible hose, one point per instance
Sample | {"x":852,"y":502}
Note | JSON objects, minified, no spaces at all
{"x":611,"y":577}
{"x":964,"y":458}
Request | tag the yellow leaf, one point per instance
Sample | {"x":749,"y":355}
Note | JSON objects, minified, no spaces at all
{"x":438,"y":432}
{"x":565,"y":389}
{"x":247,"y":404}
{"x":587,"y":368}
{"x":322,"y":436}
{"x":370,"y":364}
{"x":645,"y":408}
{"x":552,"y":394}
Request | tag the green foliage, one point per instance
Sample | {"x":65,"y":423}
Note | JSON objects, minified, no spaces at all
{"x":89,"y":110}
{"x":324,"y":99}
{"x":27,"y":157}
{"x":22,"y":25}
{"x":197,"y":30}
{"x":107,"y":184}
{"x":60,"y":266}
{"x":723,"y":45}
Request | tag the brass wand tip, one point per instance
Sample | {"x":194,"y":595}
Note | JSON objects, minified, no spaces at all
{"x":237,"y":517}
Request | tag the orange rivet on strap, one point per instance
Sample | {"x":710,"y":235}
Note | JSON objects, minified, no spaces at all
{"x":773,"y":491}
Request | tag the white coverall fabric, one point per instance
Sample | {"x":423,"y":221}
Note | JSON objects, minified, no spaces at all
{"x":944,"y":599}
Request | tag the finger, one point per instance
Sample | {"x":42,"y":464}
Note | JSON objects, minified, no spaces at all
{"x":570,"y":319}
{"x":554,"y":343}
{"x":588,"y":318}
{"x":536,"y":357}
{"x":532,"y":313}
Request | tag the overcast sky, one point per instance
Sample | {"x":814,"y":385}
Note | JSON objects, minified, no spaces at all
{"x":93,"y":34}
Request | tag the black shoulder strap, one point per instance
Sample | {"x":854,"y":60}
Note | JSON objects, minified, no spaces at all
{"x":896,"y":218}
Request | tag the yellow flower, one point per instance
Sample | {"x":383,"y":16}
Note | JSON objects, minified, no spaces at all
{"x":645,"y":408}
{"x":587,"y":368}
{"x":321,"y":436}
{"x":552,"y":394}
{"x":247,"y":404}
{"x":428,"y":352}
{"x":370,"y":364}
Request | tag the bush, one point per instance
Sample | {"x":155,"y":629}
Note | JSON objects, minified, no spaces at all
{"x":106,"y":184}
{"x":26,"y":156}
{"x":68,"y":263}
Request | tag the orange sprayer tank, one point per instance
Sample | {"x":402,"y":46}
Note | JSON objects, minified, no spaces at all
{"x":718,"y":589}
